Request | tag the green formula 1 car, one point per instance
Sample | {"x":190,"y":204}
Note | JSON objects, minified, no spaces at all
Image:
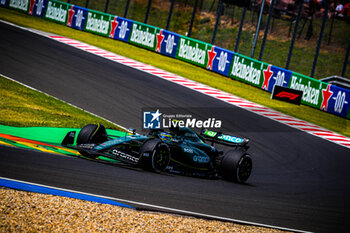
{"x":177,"y":150}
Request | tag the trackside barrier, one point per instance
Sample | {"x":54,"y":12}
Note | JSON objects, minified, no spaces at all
{"x":193,"y":51}
{"x":167,"y":43}
{"x":248,"y":70}
{"x":317,"y":94}
{"x":144,"y":35}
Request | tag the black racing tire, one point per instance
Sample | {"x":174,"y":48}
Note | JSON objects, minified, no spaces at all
{"x":155,"y":155}
{"x":91,"y":133}
{"x":236,"y":166}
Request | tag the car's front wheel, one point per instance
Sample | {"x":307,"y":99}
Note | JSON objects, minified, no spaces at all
{"x":90,"y":134}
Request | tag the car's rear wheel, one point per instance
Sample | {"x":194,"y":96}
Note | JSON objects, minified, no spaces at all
{"x":236,"y":166}
{"x":155,"y":155}
{"x":91,"y":134}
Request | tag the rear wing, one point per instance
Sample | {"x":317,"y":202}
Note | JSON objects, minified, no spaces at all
{"x":225,"y":139}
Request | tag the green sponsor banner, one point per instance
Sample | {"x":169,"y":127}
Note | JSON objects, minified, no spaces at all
{"x":193,"y":51}
{"x":248,"y":70}
{"x":144,"y":35}
{"x":311,"y":88}
{"x":98,"y":23}
{"x":57,"y":11}
{"x":22,"y":5}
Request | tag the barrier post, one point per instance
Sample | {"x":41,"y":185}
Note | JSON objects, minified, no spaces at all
{"x":126,"y":8}
{"x":319,"y":40}
{"x":192,"y":19}
{"x":257,"y":29}
{"x":106,"y":7}
{"x":147,"y":11}
{"x":169,"y":16}
{"x":218,"y":14}
{"x":345,"y":60}
{"x":294,"y":34}
{"x":266,"y":30}
{"x":240,"y":29}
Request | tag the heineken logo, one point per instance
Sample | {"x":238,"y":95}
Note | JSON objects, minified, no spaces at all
{"x":246,"y":71}
{"x":96,"y":24}
{"x":55,"y":12}
{"x":142,"y":37}
{"x":310,"y":93}
{"x":192,"y":53}
{"x":19,"y":4}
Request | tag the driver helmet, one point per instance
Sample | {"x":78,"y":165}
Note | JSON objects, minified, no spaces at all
{"x":165,"y":136}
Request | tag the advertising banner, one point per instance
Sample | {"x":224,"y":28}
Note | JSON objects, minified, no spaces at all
{"x":22,"y":5}
{"x":57,"y":11}
{"x":120,"y":28}
{"x":144,"y":35}
{"x":250,"y":71}
{"x":37,"y":7}
{"x":275,"y":76}
{"x":167,"y":43}
{"x":98,"y":23}
{"x":311,"y":89}
{"x":77,"y":17}
{"x":193,"y":51}
{"x":219,"y":60}
{"x":335,"y":100}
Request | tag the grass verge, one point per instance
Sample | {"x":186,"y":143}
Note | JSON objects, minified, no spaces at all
{"x":21,"y":106}
{"x":186,"y":70}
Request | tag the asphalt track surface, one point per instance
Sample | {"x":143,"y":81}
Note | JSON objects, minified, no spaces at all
{"x":298,"y":181}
